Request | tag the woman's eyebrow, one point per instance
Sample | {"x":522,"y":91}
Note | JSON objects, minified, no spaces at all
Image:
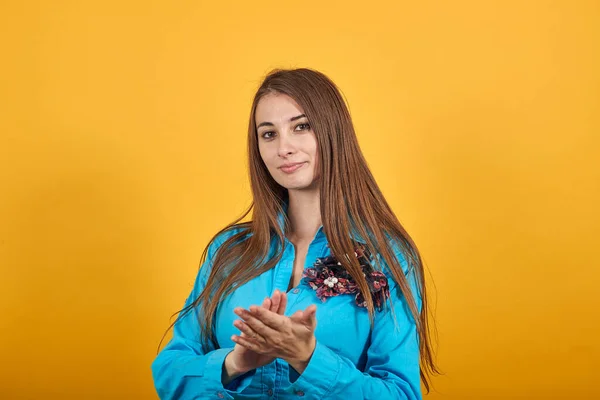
{"x":271,"y":124}
{"x":297,"y":117}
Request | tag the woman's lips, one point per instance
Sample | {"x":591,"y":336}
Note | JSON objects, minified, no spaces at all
{"x":293,"y":168}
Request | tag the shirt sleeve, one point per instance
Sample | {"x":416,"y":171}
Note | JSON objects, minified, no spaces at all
{"x":182,"y":370}
{"x":392,"y":368}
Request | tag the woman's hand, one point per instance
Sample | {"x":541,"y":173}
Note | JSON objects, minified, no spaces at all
{"x":242,"y":359}
{"x":273,"y":335}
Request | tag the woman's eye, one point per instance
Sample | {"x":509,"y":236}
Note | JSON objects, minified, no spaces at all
{"x":265,"y":135}
{"x":303,"y":126}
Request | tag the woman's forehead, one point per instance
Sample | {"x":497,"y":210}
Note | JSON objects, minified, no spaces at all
{"x":276,"y":107}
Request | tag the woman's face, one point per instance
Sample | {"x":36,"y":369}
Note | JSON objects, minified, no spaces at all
{"x":286,"y":142}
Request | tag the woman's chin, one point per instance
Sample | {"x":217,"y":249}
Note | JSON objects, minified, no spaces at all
{"x":301,"y":186}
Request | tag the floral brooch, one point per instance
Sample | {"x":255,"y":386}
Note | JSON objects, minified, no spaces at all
{"x":329,"y":278}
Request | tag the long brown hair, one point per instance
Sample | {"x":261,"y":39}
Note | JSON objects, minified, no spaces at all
{"x":350,"y":201}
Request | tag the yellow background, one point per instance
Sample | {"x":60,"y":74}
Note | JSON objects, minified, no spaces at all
{"x":122,"y":150}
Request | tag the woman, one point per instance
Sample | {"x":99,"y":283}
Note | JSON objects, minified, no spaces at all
{"x":321,"y":295}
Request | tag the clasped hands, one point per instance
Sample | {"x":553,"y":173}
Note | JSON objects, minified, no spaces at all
{"x":267,"y":334}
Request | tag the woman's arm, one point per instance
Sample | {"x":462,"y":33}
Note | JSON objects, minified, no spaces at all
{"x":182,"y":370}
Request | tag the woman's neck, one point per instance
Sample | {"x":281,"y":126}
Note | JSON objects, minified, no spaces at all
{"x":304,"y":213}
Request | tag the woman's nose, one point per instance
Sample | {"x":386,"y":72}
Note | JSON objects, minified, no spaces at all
{"x":285,"y":146}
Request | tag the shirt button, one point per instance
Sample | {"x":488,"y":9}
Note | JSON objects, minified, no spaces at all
{"x":300,"y":393}
{"x":220,"y":395}
{"x":270,"y":392}
{"x":296,"y":291}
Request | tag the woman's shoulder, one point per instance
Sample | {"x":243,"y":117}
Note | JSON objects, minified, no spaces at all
{"x":215,"y":244}
{"x":399,"y":251}
{"x":241,"y":231}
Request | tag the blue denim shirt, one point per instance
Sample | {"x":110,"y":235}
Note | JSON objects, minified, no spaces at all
{"x":350,"y":361}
